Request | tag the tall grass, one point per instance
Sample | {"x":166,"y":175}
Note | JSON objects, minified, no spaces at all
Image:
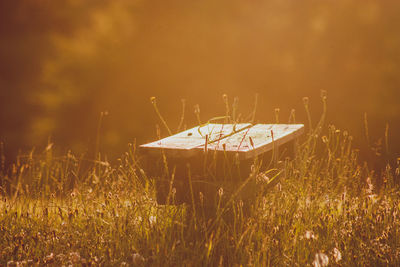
{"x":322,"y":206}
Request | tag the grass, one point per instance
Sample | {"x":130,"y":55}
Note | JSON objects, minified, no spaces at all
{"x":324,"y":207}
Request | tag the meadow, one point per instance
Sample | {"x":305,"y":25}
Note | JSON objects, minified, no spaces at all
{"x":321,"y":206}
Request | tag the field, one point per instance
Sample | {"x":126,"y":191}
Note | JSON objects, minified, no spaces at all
{"x":77,"y":188}
{"x":319,"y":207}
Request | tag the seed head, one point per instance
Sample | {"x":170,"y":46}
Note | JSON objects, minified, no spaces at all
{"x":305,"y":100}
{"x":201,"y":196}
{"x":197,"y":109}
{"x":220,"y":192}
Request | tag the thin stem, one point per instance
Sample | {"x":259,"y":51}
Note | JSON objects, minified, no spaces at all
{"x":153,"y":101}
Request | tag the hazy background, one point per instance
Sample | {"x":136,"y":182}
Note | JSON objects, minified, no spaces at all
{"x":64,"y":62}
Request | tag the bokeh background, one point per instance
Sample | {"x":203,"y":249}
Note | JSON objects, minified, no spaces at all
{"x":62,"y":63}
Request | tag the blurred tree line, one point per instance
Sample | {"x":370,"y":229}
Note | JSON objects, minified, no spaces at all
{"x":65,"y":62}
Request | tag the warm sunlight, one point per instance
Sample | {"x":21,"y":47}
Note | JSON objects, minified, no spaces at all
{"x":199,"y":133}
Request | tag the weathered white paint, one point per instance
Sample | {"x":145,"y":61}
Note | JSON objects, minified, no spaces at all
{"x":244,"y":139}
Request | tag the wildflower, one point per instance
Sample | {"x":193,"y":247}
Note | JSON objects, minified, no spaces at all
{"x":373,"y":198}
{"x":152,"y":220}
{"x":320,"y":260}
{"x":137,"y":259}
{"x":138,"y":220}
{"x":127,"y":204}
{"x":310,"y":235}
{"x":370,"y":186}
{"x":337,"y":255}
{"x":75,"y":257}
{"x":49,"y":258}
